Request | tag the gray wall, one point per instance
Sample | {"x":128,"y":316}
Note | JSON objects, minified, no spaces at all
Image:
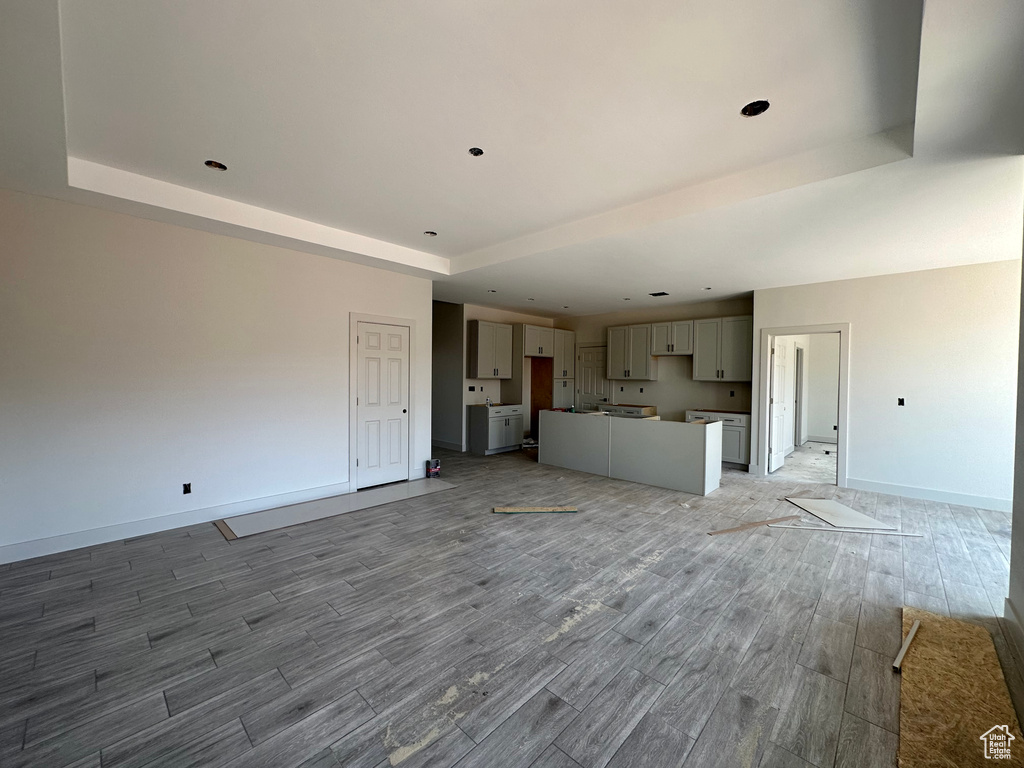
{"x":946,"y":340}
{"x":446,"y":375}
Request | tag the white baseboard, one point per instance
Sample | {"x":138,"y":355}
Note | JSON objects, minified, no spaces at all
{"x":89,"y":538}
{"x":963,"y":499}
{"x":446,"y":444}
{"x":820,"y":439}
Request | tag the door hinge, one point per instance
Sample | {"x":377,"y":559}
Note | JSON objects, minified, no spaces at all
{"x":357,"y":401}
{"x":357,"y":462}
{"x":357,"y":339}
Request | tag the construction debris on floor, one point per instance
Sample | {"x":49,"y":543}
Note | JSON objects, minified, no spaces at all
{"x":298,"y":514}
{"x":955,"y":708}
{"x":526,"y":510}
{"x":839,"y":515}
{"x":756,"y":524}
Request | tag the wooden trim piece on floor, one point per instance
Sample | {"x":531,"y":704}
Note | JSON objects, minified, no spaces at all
{"x":521,"y":510}
{"x":906,"y":645}
{"x":224,"y":528}
{"x":871,"y":531}
{"x":757,"y":524}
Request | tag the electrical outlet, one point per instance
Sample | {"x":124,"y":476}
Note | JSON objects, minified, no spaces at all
{"x":622,"y":389}
{"x":641,"y":390}
{"x":186,"y":487}
{"x":899,"y":401}
{"x":732,"y":393}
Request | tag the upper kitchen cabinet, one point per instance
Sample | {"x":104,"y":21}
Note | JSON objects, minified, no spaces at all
{"x":538,"y":342}
{"x":672,"y":338}
{"x":565,"y":354}
{"x":489,"y":348}
{"x":629,"y":353}
{"x":722,"y":348}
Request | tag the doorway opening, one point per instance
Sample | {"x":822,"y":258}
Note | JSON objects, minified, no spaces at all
{"x":803,"y":404}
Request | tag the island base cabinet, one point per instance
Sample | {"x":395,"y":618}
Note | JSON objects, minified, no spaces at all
{"x":668,"y":454}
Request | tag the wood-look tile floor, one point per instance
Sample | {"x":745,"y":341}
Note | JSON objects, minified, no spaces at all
{"x":432,"y":633}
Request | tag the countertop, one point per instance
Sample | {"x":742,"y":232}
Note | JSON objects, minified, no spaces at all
{"x":719,"y":410}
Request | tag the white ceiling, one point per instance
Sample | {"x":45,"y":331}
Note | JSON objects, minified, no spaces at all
{"x":616,"y":162}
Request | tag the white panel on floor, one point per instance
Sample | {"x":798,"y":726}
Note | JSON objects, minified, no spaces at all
{"x":282,"y":517}
{"x":837,"y":514}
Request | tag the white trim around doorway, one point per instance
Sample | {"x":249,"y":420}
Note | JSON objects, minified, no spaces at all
{"x":759,"y":452}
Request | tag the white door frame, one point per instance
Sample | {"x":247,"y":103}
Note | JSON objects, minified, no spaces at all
{"x":760,"y":468}
{"x":798,"y":411}
{"x":354,"y":318}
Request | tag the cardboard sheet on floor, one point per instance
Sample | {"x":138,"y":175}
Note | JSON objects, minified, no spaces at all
{"x":839,"y":515}
{"x":296,"y":514}
{"x":954,"y":703}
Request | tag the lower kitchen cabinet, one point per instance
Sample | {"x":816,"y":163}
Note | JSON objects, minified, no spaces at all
{"x":494,"y":428}
{"x":735,"y":433}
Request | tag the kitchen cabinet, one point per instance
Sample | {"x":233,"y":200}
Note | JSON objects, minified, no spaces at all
{"x":735,"y":433}
{"x":489,"y":350}
{"x":672,"y":338}
{"x":562,"y":397}
{"x":494,"y":428}
{"x":565,"y":354}
{"x":722,"y":348}
{"x":629,"y":353}
{"x":538,"y":341}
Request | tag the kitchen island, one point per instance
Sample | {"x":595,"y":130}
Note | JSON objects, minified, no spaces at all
{"x":668,"y":454}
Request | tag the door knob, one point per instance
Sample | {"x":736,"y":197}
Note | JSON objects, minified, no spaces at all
{"x":404,"y":411}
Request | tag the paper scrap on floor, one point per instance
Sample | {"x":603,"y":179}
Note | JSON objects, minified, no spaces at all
{"x":839,"y":515}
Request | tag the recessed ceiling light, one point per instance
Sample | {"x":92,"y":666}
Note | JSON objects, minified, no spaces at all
{"x":529,"y":299}
{"x":625,"y":299}
{"x":565,"y":307}
{"x":475,"y":151}
{"x":755,"y":108}
{"x":707,"y":289}
{"x":658,"y":293}
{"x":429,"y":233}
{"x":491,"y":290}
{"x":215,"y":165}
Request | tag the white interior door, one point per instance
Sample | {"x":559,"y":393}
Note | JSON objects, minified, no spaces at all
{"x":777,"y":417}
{"x":382,"y":404}
{"x":591,"y":378}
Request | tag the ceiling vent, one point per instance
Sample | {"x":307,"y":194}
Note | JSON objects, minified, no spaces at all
{"x":658,"y":293}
